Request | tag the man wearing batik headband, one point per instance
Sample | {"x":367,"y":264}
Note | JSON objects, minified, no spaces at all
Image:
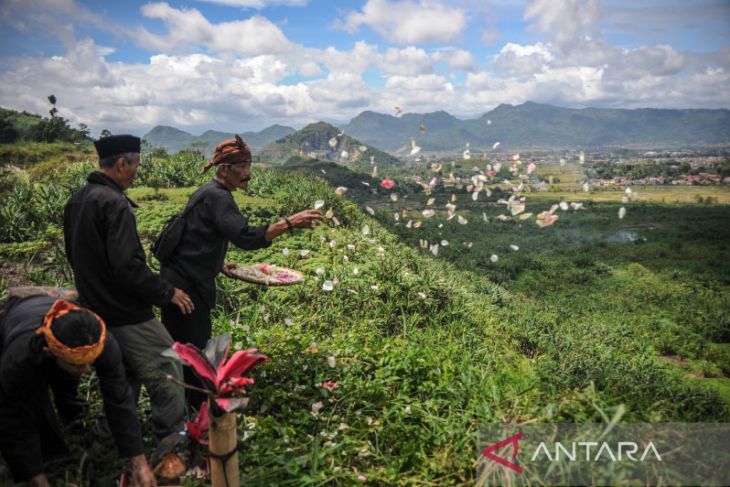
{"x":213,"y":221}
{"x":48,"y":343}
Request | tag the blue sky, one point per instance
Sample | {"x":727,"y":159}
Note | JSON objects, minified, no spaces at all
{"x":245,"y":64}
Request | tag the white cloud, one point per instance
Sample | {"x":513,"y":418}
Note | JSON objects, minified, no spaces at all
{"x":257,"y":3}
{"x":409,"y":22}
{"x":361,"y":57}
{"x":245,"y":74}
{"x":409,"y":61}
{"x":49,"y":17}
{"x":519,"y":60}
{"x":566,"y":22}
{"x":189,"y":28}
{"x":422,"y":93}
{"x":456,"y":58}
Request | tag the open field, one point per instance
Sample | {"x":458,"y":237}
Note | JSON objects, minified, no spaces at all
{"x":655,"y":194}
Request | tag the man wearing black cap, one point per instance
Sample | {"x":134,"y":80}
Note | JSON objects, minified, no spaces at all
{"x":113,"y":279}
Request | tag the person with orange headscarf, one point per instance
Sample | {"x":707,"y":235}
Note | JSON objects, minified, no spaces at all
{"x":48,"y":343}
{"x":214,"y":220}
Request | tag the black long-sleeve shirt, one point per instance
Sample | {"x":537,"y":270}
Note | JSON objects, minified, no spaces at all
{"x":106,"y":255}
{"x":209,"y":226}
{"x":24,"y":373}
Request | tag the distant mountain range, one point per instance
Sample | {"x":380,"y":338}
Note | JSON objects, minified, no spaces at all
{"x":175,"y":140}
{"x":324,"y":142}
{"x":530,"y":125}
{"x":544,"y":126}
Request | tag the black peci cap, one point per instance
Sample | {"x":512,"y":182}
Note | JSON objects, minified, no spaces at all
{"x":117,"y":144}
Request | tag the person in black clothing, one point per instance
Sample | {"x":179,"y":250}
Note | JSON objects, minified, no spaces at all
{"x":113,"y":279}
{"x":48,"y":342}
{"x":210,"y":225}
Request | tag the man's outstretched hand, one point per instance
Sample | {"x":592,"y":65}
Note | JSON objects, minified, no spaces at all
{"x":306,"y":218}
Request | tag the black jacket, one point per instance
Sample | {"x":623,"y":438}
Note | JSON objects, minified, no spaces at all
{"x":103,"y":248}
{"x":199,"y":256}
{"x":25,"y":371}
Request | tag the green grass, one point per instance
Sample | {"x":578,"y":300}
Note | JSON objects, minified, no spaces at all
{"x":43,"y":159}
{"x":569,"y":328}
{"x":721,"y":385}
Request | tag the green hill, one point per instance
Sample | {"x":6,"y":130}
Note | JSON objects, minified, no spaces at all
{"x":545,"y":126}
{"x":175,"y":140}
{"x":324,"y":142}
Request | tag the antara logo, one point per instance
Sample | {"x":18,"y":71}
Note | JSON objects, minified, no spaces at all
{"x":588,"y":451}
{"x":488,"y":452}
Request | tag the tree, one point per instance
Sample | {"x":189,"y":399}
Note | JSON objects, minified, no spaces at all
{"x":105,"y":133}
{"x":8,"y":132}
{"x":53,"y":129}
{"x":53,"y":111}
{"x":83,"y":132}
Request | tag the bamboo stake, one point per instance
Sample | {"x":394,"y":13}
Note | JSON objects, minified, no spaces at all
{"x":223,"y":439}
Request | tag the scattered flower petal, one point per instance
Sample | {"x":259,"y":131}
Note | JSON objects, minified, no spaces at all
{"x":317,"y":407}
{"x":387,"y":183}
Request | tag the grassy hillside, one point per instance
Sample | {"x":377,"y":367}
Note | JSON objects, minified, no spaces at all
{"x":425,"y":349}
{"x":42,"y":158}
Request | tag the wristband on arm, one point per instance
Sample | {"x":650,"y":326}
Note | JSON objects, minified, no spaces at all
{"x":289,"y":226}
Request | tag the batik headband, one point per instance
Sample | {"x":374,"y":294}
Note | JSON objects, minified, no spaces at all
{"x":83,"y":355}
{"x":228,"y":152}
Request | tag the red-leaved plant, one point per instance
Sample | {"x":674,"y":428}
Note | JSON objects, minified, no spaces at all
{"x":222,"y":379}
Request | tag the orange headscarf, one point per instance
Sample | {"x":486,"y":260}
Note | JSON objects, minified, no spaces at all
{"x":83,"y":355}
{"x":229,"y":151}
